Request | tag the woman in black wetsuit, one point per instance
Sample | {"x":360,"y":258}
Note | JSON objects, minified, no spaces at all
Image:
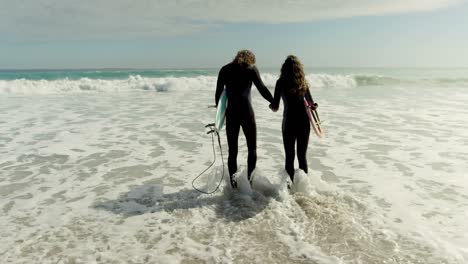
{"x":238,"y":77}
{"x":293,"y":87}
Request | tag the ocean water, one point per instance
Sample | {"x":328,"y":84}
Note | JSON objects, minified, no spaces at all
{"x":97,"y":167}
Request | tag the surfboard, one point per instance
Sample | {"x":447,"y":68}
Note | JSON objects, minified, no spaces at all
{"x":221,"y":111}
{"x":313,"y":118}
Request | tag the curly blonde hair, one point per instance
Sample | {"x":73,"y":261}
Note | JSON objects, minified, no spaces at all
{"x":292,"y":72}
{"x":244,"y":57}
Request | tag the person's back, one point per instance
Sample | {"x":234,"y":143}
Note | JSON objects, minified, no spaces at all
{"x":293,"y":102}
{"x":292,"y":87}
{"x":238,"y":79}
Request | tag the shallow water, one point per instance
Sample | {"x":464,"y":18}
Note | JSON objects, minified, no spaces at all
{"x":93,"y":175}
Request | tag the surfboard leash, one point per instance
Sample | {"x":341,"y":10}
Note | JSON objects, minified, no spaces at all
{"x":212,"y":131}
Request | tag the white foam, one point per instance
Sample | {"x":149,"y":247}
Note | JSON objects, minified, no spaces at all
{"x":86,"y":85}
{"x":310,"y":184}
{"x":98,"y":178}
{"x":138,"y":83}
{"x":318,"y":80}
{"x":202,"y":82}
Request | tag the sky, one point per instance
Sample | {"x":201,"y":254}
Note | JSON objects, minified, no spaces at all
{"x":72,"y":34}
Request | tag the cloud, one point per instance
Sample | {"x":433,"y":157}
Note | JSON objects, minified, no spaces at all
{"x":73,"y":19}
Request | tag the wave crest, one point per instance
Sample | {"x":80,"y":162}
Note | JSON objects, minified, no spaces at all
{"x":83,"y":85}
{"x":203,"y":82}
{"x":379,"y":80}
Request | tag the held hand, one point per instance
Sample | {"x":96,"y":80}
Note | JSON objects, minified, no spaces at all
{"x":272,"y":108}
{"x":314,"y":106}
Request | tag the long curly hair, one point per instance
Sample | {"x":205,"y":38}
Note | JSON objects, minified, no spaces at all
{"x":292,"y":72}
{"x":244,"y":57}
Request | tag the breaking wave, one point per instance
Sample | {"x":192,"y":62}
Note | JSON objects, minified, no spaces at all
{"x":203,"y":82}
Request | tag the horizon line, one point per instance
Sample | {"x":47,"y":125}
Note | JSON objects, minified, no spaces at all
{"x":214,"y":68}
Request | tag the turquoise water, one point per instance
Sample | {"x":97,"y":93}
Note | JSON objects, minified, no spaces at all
{"x":109,"y":74}
{"x":105,"y":74}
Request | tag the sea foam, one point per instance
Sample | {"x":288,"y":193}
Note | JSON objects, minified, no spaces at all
{"x":203,"y":82}
{"x":139,"y":83}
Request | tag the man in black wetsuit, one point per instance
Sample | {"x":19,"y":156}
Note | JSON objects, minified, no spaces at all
{"x":237,"y":77}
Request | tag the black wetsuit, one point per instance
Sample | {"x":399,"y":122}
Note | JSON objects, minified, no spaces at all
{"x":296,"y":125}
{"x":238,"y":81}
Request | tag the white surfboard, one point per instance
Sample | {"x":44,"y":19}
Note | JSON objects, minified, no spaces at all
{"x":221,"y":111}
